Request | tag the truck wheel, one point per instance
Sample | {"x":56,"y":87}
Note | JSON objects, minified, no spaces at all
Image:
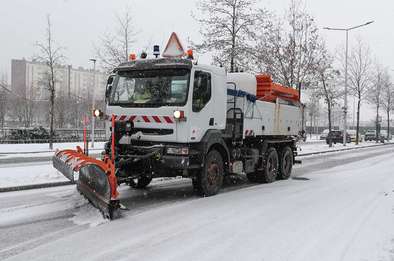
{"x":285,"y":163}
{"x":142,"y":182}
{"x":210,"y":179}
{"x":269,"y":171}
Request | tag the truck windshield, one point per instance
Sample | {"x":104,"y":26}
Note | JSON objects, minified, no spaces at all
{"x":151,"y":88}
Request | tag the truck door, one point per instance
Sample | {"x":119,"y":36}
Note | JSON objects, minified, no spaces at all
{"x":202,"y":105}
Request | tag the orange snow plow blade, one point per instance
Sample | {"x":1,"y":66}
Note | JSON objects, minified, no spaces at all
{"x":95,"y":179}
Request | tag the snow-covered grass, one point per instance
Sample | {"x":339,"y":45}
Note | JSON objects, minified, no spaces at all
{"x":42,"y":147}
{"x":28,"y":174}
{"x":342,"y":213}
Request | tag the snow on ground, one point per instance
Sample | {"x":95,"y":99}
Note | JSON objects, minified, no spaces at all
{"x":42,"y":147}
{"x":28,"y":174}
{"x":86,"y":214}
{"x":321,"y":146}
{"x":59,"y":201}
{"x":342,"y":213}
{"x":43,"y":172}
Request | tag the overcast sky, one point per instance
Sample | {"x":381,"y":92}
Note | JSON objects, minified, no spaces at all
{"x":77,"y":24}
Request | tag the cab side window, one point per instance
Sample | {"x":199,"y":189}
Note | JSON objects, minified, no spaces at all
{"x":201,"y":90}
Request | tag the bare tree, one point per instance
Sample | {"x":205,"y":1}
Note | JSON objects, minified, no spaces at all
{"x":359,"y":73}
{"x":52,"y":56}
{"x":227,"y":29}
{"x":387,"y":98}
{"x":313,"y":110}
{"x":4,"y":94}
{"x":23,"y":109}
{"x":61,"y":110}
{"x":114,"y":48}
{"x":328,"y":86}
{"x":290,"y":50}
{"x":375,"y":98}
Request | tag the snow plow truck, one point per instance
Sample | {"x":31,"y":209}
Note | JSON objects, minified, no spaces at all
{"x":171,"y":116}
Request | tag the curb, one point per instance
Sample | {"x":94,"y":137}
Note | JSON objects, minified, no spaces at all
{"x":36,"y":186}
{"x":16,"y":160}
{"x":339,"y":150}
{"x":37,"y":152}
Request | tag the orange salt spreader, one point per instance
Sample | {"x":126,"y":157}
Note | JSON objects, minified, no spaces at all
{"x":269,"y":91}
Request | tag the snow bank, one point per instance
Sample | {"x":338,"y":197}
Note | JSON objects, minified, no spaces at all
{"x":86,"y":214}
{"x":321,"y":146}
{"x":42,"y":147}
{"x":28,"y":174}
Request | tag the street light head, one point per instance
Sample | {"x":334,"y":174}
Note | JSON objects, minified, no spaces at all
{"x":370,"y":22}
{"x":92,"y":60}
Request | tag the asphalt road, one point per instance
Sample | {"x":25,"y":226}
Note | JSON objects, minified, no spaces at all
{"x":33,"y":218}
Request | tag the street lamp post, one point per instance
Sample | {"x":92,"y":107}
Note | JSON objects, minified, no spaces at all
{"x":346,"y":74}
{"x":93,"y":102}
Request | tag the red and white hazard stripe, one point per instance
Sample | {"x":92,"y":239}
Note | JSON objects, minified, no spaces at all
{"x":145,"y":118}
{"x":249,"y":133}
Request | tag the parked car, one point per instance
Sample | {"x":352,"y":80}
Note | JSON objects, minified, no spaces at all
{"x":324,"y":134}
{"x":336,"y":136}
{"x":353,"y":134}
{"x":383,"y":135}
{"x":370,"y":135}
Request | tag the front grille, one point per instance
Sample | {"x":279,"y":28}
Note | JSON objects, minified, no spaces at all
{"x":151,"y":131}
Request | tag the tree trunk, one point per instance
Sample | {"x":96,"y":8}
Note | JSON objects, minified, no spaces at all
{"x":388,"y":125}
{"x":377,"y":123}
{"x":232,"y":60}
{"x":51,"y":114}
{"x":358,"y":120}
{"x":311,"y":125}
{"x":329,"y":116}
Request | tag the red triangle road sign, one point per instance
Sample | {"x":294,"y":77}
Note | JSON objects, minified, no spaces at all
{"x":174,"y":48}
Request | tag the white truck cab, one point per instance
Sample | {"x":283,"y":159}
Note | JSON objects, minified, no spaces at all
{"x":174,"y":101}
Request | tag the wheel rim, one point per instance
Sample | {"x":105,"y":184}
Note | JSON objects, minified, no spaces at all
{"x":287,"y":163}
{"x":272,"y":162}
{"x":213,"y":173}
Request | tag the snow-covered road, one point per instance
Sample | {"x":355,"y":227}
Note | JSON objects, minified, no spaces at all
{"x":337,"y":207}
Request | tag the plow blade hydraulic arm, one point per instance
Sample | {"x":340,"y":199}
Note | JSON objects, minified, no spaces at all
{"x":95,"y":179}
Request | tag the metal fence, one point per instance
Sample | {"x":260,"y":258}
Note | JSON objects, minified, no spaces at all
{"x":61,"y":135}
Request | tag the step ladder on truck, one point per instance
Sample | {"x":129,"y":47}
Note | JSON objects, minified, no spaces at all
{"x":171,"y":116}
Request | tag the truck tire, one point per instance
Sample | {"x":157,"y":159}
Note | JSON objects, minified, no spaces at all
{"x":142,"y":182}
{"x":286,"y":161}
{"x":269,"y":171}
{"x":209,"y":181}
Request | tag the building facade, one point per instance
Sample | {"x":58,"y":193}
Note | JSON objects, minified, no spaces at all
{"x":28,"y":80}
{"x":75,"y":89}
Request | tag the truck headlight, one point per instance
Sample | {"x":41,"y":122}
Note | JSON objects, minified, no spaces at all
{"x":178,"y":150}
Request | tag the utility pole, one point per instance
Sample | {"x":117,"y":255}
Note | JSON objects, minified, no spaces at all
{"x":93,"y":102}
{"x":345,"y":107}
